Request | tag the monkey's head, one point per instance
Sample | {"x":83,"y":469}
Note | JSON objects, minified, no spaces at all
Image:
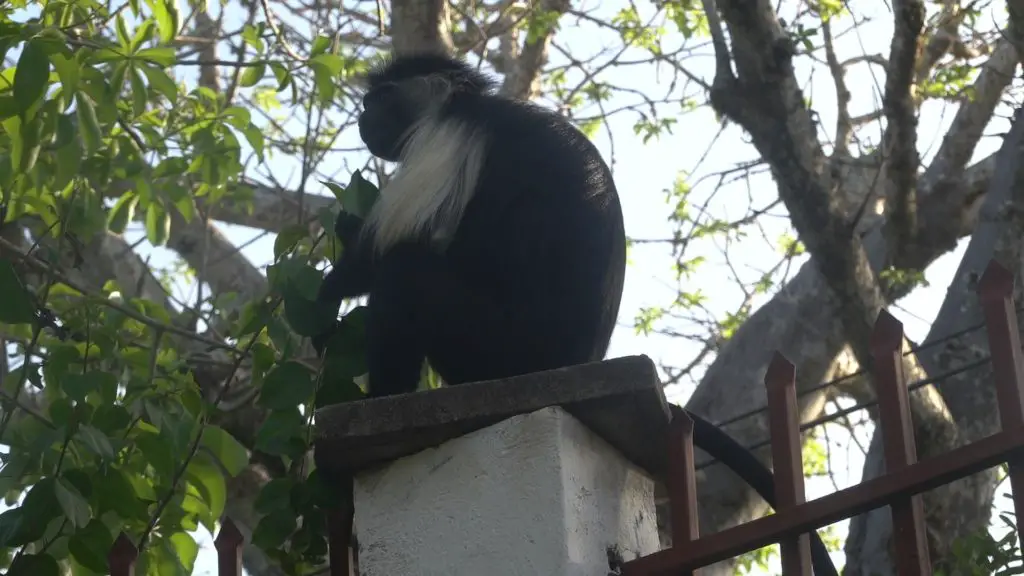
{"x":404,"y":90}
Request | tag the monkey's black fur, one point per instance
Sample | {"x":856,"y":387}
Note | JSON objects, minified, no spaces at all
{"x":528,"y":279}
{"x":513,"y":260}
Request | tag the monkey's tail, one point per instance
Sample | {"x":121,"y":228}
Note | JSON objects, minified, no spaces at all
{"x":720,"y":445}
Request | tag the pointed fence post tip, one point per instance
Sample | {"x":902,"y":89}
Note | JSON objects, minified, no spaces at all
{"x":229,"y":547}
{"x":996,"y":282}
{"x":887,"y":337}
{"x":229,"y":537}
{"x":682,"y":423}
{"x":780,"y":371}
{"x":122,"y":556}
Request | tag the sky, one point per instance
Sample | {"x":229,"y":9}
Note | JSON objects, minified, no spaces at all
{"x":644,"y":171}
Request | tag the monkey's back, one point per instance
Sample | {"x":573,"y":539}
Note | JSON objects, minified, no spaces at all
{"x":544,"y":233}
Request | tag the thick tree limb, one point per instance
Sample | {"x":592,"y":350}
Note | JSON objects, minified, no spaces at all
{"x":420,"y":26}
{"x":900,"y":138}
{"x":965,"y":507}
{"x":784,"y":133}
{"x":522,"y":78}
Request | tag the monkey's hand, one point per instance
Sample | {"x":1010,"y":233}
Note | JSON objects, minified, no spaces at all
{"x":351,"y":276}
{"x":347,"y":228}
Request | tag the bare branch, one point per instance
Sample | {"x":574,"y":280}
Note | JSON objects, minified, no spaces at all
{"x":844,"y":125}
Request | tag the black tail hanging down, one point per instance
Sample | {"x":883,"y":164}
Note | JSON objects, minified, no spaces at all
{"x":719,"y":445}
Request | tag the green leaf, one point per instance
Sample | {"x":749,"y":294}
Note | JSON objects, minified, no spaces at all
{"x":288,"y":385}
{"x":122,"y":33}
{"x":251,"y":37}
{"x":141,"y":35}
{"x":307,"y":317}
{"x":324,"y":83}
{"x":77,"y":386}
{"x":211,"y":488}
{"x":123,"y":212}
{"x":284,"y":77}
{"x":90,"y":546}
{"x":337,"y":189}
{"x":282,"y":433}
{"x":108,"y":54}
{"x":161,"y":82}
{"x":113,"y":491}
{"x":333,"y":63}
{"x":360,"y":196}
{"x":75,"y":508}
{"x":39,"y":508}
{"x":34,"y":565}
{"x":287,"y":238}
{"x":275,"y":495}
{"x":237,"y":116}
{"x":185,"y":548}
{"x":320,"y":45}
{"x":12,"y":126}
{"x":139,"y":95}
{"x":68,"y":71}
{"x":89,"y":125}
{"x":255,"y":138}
{"x":31,"y":76}
{"x":253,"y":74}
{"x":69,"y":158}
{"x":96,"y":441}
{"x":31,"y":136}
{"x":10,"y":525}
{"x":8,"y":107}
{"x":273,"y":529}
{"x":163,"y":56}
{"x":117,"y":77}
{"x":158,"y":224}
{"x":228,"y":451}
{"x":166,"y":14}
{"x":16,"y":305}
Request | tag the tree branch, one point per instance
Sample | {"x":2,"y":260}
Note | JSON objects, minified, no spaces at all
{"x":900,"y":138}
{"x":767,"y":101}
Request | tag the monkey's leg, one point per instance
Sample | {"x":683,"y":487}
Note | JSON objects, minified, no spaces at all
{"x":420,"y":305}
{"x":395,"y":351}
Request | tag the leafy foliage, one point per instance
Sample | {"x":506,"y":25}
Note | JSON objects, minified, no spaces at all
{"x":96,"y":134}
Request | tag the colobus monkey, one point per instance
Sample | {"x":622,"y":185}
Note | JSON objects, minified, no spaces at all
{"x":498,"y":247}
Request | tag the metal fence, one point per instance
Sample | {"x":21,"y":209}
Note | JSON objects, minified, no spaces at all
{"x":228,"y":543}
{"x":899,"y":488}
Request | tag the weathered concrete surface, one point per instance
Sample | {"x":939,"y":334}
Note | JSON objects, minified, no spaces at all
{"x":537,"y":493}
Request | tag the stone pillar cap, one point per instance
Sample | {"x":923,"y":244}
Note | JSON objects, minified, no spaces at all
{"x":620,"y":400}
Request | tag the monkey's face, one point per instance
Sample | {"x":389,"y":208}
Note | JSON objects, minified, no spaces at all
{"x":385,"y":121}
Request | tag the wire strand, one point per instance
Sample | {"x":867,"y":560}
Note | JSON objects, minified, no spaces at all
{"x":836,"y":381}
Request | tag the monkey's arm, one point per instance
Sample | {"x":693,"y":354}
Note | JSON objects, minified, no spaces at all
{"x":350,"y":276}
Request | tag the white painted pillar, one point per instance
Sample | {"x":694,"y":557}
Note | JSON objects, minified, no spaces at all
{"x":535,"y":495}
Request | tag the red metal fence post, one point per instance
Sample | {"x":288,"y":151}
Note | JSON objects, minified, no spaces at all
{"x":341,"y":556}
{"x":898,"y":443}
{"x":122,"y":556}
{"x":996,"y":291}
{"x":229,"y":549}
{"x":784,"y":424}
{"x":682,"y":483}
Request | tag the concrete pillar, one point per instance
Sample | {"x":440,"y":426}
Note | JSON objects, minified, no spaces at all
{"x":537,"y":494}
